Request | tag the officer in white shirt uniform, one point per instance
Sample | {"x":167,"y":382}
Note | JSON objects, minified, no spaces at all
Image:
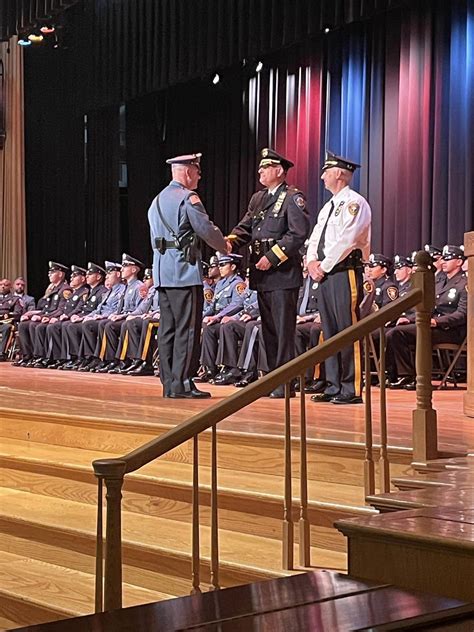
{"x":338,"y":244}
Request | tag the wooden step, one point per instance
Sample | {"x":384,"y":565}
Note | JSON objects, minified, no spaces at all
{"x":446,"y":478}
{"x":328,"y":460}
{"x":456,"y":497}
{"x":157,"y":544}
{"x":246,"y":503}
{"x":33,"y":591}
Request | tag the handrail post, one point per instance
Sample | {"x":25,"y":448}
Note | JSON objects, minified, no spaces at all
{"x":425,"y":433}
{"x":112,"y":471}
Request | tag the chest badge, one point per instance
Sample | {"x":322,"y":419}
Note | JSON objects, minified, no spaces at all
{"x":338,"y":209}
{"x":452,"y":293}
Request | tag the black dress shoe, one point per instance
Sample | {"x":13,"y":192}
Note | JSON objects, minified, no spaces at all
{"x":193,"y":394}
{"x":105,"y":367}
{"x":246,"y":379}
{"x":411,"y":386}
{"x":315,"y":387}
{"x":346,"y":399}
{"x":89,"y":365}
{"x":206,"y":376}
{"x":135,"y":364}
{"x":3,"y":357}
{"x":224,"y":379}
{"x":56,"y":364}
{"x":322,"y":397}
{"x":41,"y":364}
{"x":119,"y":368}
{"x":401,"y":382}
{"x":279,"y":393}
{"x":144,"y":369}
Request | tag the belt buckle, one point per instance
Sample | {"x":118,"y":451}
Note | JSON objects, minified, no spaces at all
{"x":257,"y":245}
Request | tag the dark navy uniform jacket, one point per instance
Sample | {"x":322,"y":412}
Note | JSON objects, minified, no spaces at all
{"x":386,"y":291}
{"x":283,"y":218}
{"x":91,"y":302}
{"x":54,"y":299}
{"x":73,"y":303}
{"x":228,"y":297}
{"x":451,"y":302}
{"x":11,"y":307}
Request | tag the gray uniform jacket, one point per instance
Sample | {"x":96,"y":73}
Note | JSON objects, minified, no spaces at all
{"x":249,"y":305}
{"x":183,"y":210}
{"x":149,"y":304}
{"x":228,"y":297}
{"x":130,"y":298}
{"x":110,"y":301}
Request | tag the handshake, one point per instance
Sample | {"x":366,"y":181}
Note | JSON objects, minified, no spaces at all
{"x":228,"y":241}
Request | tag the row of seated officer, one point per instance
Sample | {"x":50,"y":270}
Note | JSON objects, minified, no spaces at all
{"x":96,"y":323}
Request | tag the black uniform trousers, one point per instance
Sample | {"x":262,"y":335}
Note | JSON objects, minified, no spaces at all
{"x":400,"y":343}
{"x":148,"y":342}
{"x":231,"y":333}
{"x":278,"y":314}
{"x":179,"y":337}
{"x":6,"y":336}
{"x":136,"y":337}
{"x":210,"y":343}
{"x":26,"y":337}
{"x":40,"y":346}
{"x":71,"y":336}
{"x":90,"y":336}
{"x":108,"y":339}
{"x":339,"y":296}
{"x":54,"y":340}
{"x":308,"y":336}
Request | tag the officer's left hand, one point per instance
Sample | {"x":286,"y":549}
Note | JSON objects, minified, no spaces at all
{"x":315,"y":271}
{"x":263,"y":264}
{"x":35,"y":318}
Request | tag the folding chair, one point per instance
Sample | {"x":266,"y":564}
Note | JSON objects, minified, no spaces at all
{"x":448,"y":354}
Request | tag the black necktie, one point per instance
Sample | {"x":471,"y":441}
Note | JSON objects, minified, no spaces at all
{"x":322,"y":239}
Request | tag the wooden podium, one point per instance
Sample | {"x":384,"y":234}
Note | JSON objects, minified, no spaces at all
{"x":469,"y":395}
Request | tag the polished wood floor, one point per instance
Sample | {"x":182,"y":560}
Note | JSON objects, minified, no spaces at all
{"x":110,"y":397}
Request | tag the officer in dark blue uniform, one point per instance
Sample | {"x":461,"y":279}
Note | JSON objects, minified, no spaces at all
{"x":57,"y":293}
{"x":11,"y":308}
{"x":71,"y":330}
{"x":378,"y":270}
{"x":177,"y":220}
{"x":448,"y":322}
{"x":48,"y":333}
{"x":275,"y":225}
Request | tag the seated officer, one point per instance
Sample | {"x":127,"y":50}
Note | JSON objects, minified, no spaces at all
{"x":232,"y":331}
{"x":71,"y":330}
{"x":57,"y":293}
{"x":378,"y":270}
{"x":307,"y":320}
{"x":90,"y":325}
{"x":19,"y":286}
{"x":128,"y":351}
{"x":211,"y":276}
{"x":109,"y":330}
{"x":448,"y":322}
{"x":11,"y":308}
{"x":228,"y":300}
{"x":436,"y":256}
{"x":47,"y":344}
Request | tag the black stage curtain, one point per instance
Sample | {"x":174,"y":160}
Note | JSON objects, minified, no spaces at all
{"x":103,"y":213}
{"x":54,"y":158}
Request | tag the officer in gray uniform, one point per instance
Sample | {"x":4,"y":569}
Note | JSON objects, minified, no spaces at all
{"x":71,"y":330}
{"x":90,"y":325}
{"x":48,"y":333}
{"x":211,"y":276}
{"x":11,"y":308}
{"x":29,"y":303}
{"x":109,"y":330}
{"x":232,"y":331}
{"x":228,"y":300}
{"x":177,"y":220}
{"x":448,"y":322}
{"x":57,"y":293}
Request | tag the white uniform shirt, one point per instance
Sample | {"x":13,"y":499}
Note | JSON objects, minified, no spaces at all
{"x":348,"y":228}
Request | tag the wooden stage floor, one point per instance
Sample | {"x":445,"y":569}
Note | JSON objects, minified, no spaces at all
{"x":111,"y":397}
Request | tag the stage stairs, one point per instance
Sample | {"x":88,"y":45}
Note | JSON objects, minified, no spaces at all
{"x":48,"y":496}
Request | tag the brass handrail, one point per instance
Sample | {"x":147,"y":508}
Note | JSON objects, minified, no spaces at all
{"x":205,"y":419}
{"x":112,"y":471}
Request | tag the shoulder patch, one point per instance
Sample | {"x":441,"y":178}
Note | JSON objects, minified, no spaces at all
{"x":208,"y":295}
{"x":195,"y":199}
{"x":67,"y":294}
{"x":353,"y":208}
{"x":392,"y":292}
{"x":299,"y":201}
{"x":240,"y":287}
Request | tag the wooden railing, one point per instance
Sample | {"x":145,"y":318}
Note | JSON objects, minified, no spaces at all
{"x":112,"y":471}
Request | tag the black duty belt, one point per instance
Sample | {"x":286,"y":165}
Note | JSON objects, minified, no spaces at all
{"x":351,"y":262}
{"x":163,"y":244}
{"x":260,"y":247}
